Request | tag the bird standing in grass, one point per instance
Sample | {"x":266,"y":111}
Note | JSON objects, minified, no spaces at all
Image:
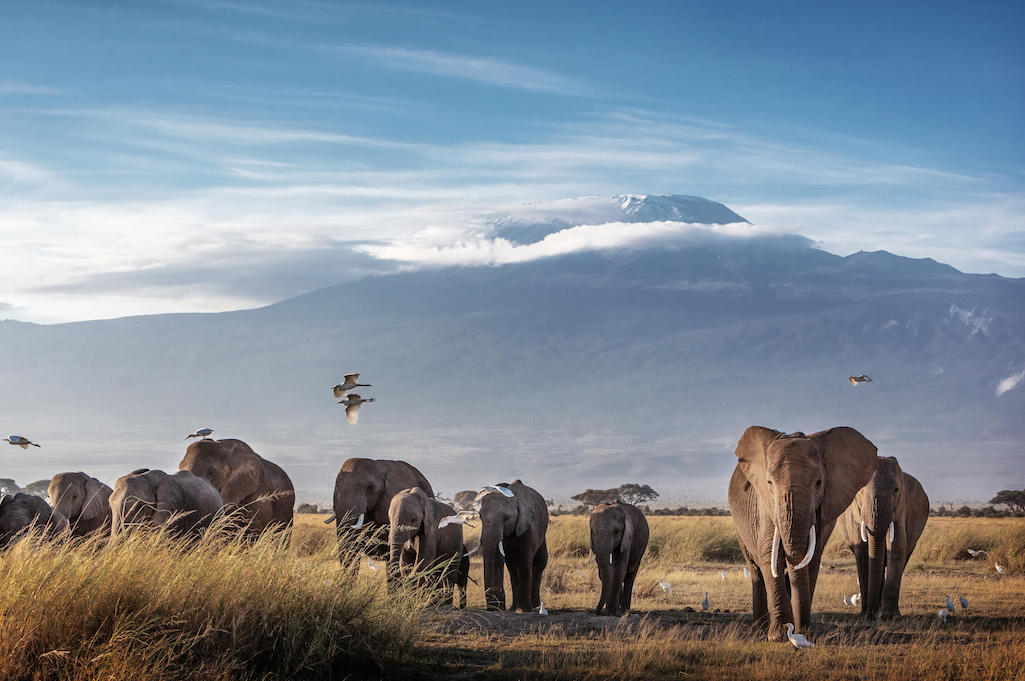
{"x":347,"y":384}
{"x":747,"y":573}
{"x":999,"y":568}
{"x":19,"y":441}
{"x":722,"y":573}
{"x":950,"y":604}
{"x":798,"y":640}
{"x":706,"y":604}
{"x":964,"y":603}
{"x":542,"y":610}
{"x":942,"y":614}
{"x":352,"y":404}
{"x":203,"y":433}
{"x":847,"y":601}
{"x":666,"y":586}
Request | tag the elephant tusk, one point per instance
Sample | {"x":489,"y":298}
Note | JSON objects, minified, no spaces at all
{"x":330,"y":519}
{"x":472,"y":552}
{"x":889,"y":537}
{"x":811,"y":550}
{"x":864,"y":532}
{"x":610,"y":559}
{"x":501,"y":549}
{"x":775,"y":551}
{"x":359,"y":522}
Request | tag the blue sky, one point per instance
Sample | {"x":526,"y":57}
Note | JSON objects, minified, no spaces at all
{"x":176,"y":147}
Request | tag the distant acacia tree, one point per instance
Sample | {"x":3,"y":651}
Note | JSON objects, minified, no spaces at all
{"x":631,"y":493}
{"x":38,"y":488}
{"x":463,"y":500}
{"x":9,"y":486}
{"x":307,"y":508}
{"x":1014,"y":500}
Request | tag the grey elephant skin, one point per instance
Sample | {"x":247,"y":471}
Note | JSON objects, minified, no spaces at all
{"x":414,"y":517}
{"x":785,"y":490}
{"x":248,"y":483}
{"x":619,"y":537}
{"x":23,"y":511}
{"x":891,"y":496}
{"x":520,"y":524}
{"x":365,"y":487}
{"x":183,"y":502}
{"x":83,"y":500}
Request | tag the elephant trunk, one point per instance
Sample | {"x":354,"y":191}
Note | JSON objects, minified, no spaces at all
{"x":398,"y":538}
{"x":880,"y":521}
{"x":800,"y":599}
{"x":796,"y":535}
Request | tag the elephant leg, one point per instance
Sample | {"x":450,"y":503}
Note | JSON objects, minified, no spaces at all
{"x":540,"y":562}
{"x":522,"y":586}
{"x":890,"y":606}
{"x":515,"y":575}
{"x":860,"y":551}
{"x":605,"y":576}
{"x":617,"y":573}
{"x":759,"y":600}
{"x":626,"y":598}
{"x":464,"y":576}
{"x":777,"y":596}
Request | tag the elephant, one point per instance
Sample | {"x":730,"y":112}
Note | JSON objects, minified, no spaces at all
{"x":363,"y":492}
{"x":185,"y":502}
{"x":785,"y":496}
{"x":247,"y":482}
{"x":414,"y":517}
{"x":83,"y":500}
{"x":891,"y":509}
{"x":22,"y":511}
{"x":619,"y":537}
{"x":513,"y":535}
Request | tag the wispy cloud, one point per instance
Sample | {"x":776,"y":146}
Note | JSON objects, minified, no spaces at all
{"x":1010,"y":383}
{"x":479,"y":69}
{"x":10,"y":87}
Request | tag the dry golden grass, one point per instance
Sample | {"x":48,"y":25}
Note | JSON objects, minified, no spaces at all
{"x":146,"y":609}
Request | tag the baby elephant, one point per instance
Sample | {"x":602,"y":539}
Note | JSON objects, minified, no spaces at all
{"x":619,"y":536}
{"x":155,"y":498}
{"x":414,"y":516}
{"x":83,"y":500}
{"x":21,"y":511}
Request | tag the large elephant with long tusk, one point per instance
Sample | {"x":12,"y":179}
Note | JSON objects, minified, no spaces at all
{"x":514,"y":527}
{"x":363,"y":492}
{"x":785,"y":496}
{"x":881,"y":527}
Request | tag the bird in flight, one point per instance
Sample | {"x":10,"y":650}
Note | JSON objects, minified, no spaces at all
{"x":347,"y":384}
{"x":202,"y":432}
{"x":352,"y":404}
{"x":457,"y":519}
{"x":19,"y":441}
{"x":798,"y":640}
{"x":855,"y":380}
{"x":976,"y":553}
{"x":489,"y":489}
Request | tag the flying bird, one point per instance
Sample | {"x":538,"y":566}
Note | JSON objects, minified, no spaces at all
{"x":942,"y":614}
{"x":999,"y":568}
{"x":706,"y":604}
{"x":352,"y":404}
{"x":203,"y":433}
{"x":490,"y":489}
{"x":798,"y":640}
{"x":855,"y":380}
{"x":347,"y":384}
{"x":452,"y":520}
{"x":979,"y":552}
{"x":964,"y":603}
{"x":950,"y":604}
{"x":19,"y":441}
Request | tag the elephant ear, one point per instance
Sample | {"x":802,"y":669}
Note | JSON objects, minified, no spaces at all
{"x":849,"y":459}
{"x":628,"y":534}
{"x":244,"y":481}
{"x":524,"y":514}
{"x":95,"y":503}
{"x":170,"y":499}
{"x":751,"y":456}
{"x":916,"y":507}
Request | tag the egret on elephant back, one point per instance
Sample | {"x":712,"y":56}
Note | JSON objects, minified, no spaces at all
{"x":785,"y":496}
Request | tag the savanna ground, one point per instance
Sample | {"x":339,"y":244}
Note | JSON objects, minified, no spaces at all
{"x":223,"y":610}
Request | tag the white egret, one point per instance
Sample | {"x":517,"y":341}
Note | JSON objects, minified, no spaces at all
{"x":747,"y":573}
{"x":203,"y":433}
{"x":542,"y":610}
{"x":666,"y":586}
{"x":352,"y":404}
{"x":347,"y":384}
{"x":976,"y":553}
{"x":490,"y":489}
{"x":964,"y":603}
{"x":798,"y":640}
{"x":950,"y":604}
{"x":722,"y":573}
{"x":942,"y":614}
{"x":452,"y":520}
{"x":706,"y":604}
{"x":856,"y":599}
{"x":372,"y":565}
{"x":20,"y":441}
{"x":847,"y":601}
{"x":999,"y":568}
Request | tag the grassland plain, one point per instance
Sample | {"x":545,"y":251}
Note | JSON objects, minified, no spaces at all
{"x":275,"y":610}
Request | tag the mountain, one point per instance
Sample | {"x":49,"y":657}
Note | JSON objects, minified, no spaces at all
{"x":588,"y":369}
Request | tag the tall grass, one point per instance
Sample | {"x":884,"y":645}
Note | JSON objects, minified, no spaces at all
{"x":154,"y":607}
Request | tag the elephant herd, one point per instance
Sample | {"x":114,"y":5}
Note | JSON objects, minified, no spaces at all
{"x":787,"y":495}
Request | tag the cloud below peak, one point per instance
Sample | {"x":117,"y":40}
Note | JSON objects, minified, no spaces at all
{"x":1010,"y":383}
